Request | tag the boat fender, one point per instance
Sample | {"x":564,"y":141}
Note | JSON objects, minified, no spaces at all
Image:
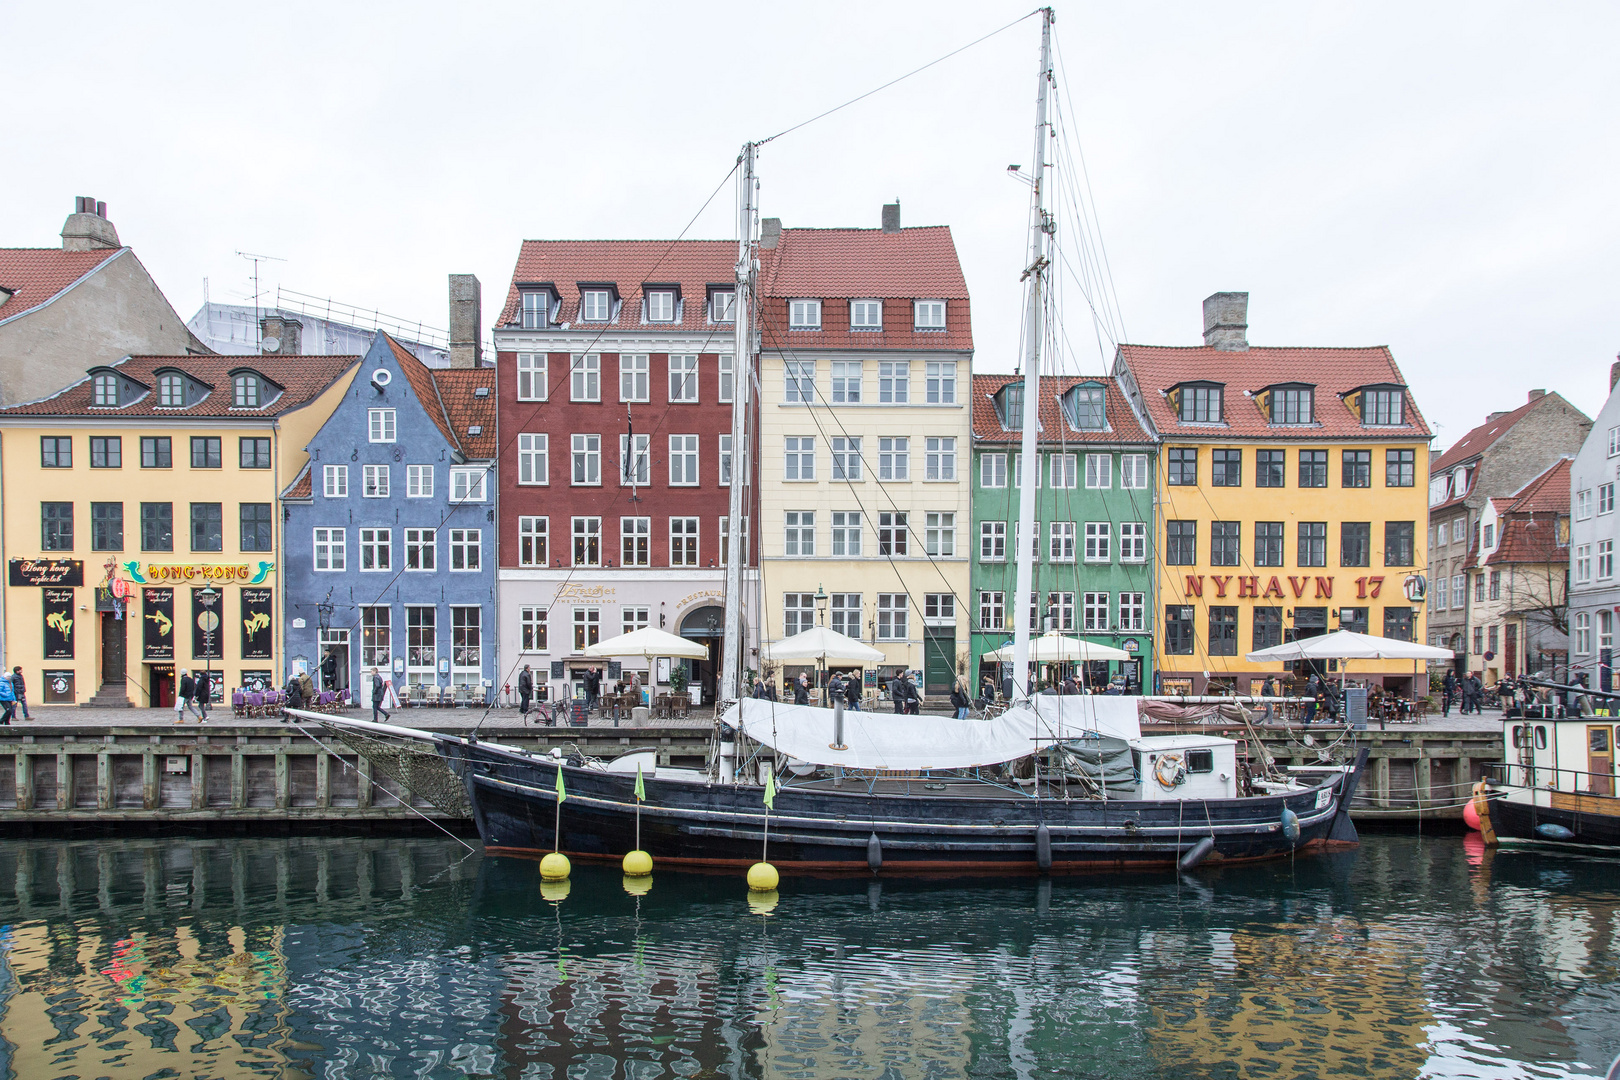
{"x":1548,"y":830}
{"x":874,"y":852}
{"x":1043,"y":847}
{"x":1198,"y":853}
{"x":1290,"y":825}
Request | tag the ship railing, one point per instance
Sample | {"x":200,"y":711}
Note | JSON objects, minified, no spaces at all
{"x":1550,"y":778}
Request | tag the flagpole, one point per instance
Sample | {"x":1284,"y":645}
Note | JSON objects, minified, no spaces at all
{"x":554,"y":867}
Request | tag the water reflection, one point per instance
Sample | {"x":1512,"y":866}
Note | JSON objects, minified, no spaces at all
{"x":365,"y":958}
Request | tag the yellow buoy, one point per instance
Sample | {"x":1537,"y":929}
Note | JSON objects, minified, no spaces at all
{"x":762,"y":877}
{"x":637,"y":864}
{"x":638,"y":886}
{"x":763,"y":903}
{"x":555,"y":891}
{"x":554,"y":867}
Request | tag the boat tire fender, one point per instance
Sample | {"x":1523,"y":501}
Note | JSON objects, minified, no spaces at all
{"x":1290,"y":825}
{"x":1549,"y":830}
{"x":1196,"y":854}
{"x":874,"y":852}
{"x":1043,"y":847}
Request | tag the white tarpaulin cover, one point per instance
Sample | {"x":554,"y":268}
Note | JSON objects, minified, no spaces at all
{"x":879,"y":740}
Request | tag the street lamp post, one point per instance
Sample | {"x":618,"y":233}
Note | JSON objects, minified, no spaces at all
{"x":821,"y":618}
{"x":208,"y":622}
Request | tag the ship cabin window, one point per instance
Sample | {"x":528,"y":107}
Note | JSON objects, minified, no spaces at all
{"x":1200,"y":761}
{"x":1541,"y":736}
{"x":1084,"y":405}
{"x":1200,"y":403}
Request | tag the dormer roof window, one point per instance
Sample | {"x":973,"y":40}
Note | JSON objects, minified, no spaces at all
{"x":866,"y":315}
{"x":177,"y":390}
{"x":250,"y":390}
{"x":1288,"y":403}
{"x":663,"y":303}
{"x":1197,"y":402}
{"x":1010,"y":406}
{"x":928,"y":315}
{"x":1379,"y":405}
{"x":596,"y":303}
{"x":804,"y":314}
{"x":538,"y":304}
{"x":1085,"y":406}
{"x":722,"y":304}
{"x":104,"y":391}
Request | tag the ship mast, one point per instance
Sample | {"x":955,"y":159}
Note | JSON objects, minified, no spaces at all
{"x":742,"y":374}
{"x":1023,"y":608}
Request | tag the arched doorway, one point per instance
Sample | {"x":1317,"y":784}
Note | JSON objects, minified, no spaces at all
{"x":708,"y":625}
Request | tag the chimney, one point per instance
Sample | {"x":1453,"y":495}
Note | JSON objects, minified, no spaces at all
{"x":1226,"y":320}
{"x":891,"y":216}
{"x":770,"y":231}
{"x":1492,"y":418}
{"x":87,"y":228}
{"x":280,"y":336}
{"x":1534,"y":394}
{"x":1614,"y":373}
{"x":466,"y":321}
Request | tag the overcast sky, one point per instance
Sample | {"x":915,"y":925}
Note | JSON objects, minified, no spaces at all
{"x":1440,"y":178}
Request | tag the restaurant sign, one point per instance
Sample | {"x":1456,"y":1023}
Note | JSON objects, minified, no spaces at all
{"x":46,"y":572}
{"x":243,"y":573}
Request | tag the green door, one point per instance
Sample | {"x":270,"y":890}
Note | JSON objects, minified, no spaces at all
{"x":939,"y":660}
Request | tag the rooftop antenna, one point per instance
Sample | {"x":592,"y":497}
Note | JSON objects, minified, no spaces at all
{"x":258,"y":331}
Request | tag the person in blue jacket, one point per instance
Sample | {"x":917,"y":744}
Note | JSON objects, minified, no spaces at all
{"x":8,"y":698}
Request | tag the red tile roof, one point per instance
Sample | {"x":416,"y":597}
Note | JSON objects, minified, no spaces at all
{"x":35,"y":275}
{"x":1547,"y":493}
{"x":1529,"y":520}
{"x":303,"y":487}
{"x":448,"y":396}
{"x":302,"y":378}
{"x":693,"y":265}
{"x":1333,"y":372}
{"x":1122,"y":423}
{"x":1479,"y":440}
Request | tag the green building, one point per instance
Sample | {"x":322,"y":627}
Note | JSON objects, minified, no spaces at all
{"x":1094,"y":572}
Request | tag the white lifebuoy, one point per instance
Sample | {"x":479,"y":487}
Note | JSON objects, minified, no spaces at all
{"x":1172,"y":766}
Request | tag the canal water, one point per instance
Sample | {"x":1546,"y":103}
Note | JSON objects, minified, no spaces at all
{"x":368,"y":958}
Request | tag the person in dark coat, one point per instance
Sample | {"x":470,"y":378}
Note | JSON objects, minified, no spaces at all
{"x":329,"y":670}
{"x":801,"y":690}
{"x":835,"y":689}
{"x":852,"y":692}
{"x":377,"y":694}
{"x":759,"y":689}
{"x":1313,"y":691}
{"x":525,"y":691}
{"x":897,"y":693}
{"x":593,"y":687}
{"x":913,"y":698}
{"x":295,"y":693}
{"x":987,"y":691}
{"x":20,"y":688}
{"x":185,"y":693}
{"x":1448,"y":693}
{"x":205,"y":690}
{"x":960,"y":700}
{"x":1474,"y":697}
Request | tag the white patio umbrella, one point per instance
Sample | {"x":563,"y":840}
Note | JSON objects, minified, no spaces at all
{"x":1056,"y":648}
{"x":1349,"y":645}
{"x":649,"y":642}
{"x":820,"y":643}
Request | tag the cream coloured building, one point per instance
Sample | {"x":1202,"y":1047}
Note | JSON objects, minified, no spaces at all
{"x":866,"y":442}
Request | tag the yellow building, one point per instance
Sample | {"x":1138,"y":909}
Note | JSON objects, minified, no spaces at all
{"x":866,"y":441}
{"x":1292,"y":499}
{"x":111,"y":588}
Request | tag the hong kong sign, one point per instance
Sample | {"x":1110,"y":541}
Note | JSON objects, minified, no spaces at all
{"x":156,"y":573}
{"x":46,"y":572}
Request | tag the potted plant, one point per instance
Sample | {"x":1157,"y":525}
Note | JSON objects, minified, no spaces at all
{"x":677,"y":678}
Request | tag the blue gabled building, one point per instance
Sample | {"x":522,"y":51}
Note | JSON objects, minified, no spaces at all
{"x":389,"y":556}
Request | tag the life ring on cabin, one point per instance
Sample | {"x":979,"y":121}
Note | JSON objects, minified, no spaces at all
{"x":1170,"y":771}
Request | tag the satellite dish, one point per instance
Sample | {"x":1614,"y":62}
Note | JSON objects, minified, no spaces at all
{"x":381,"y":378}
{"x":270,"y":344}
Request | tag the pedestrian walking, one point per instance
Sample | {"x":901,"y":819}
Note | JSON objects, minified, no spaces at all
{"x":852,"y":692}
{"x":1313,"y":691}
{"x":1448,"y":693}
{"x":960,"y":699}
{"x":20,"y":688}
{"x":834,"y":690}
{"x":184,"y":691}
{"x":379,"y":697}
{"x":1476,"y":695}
{"x":8,"y":699}
{"x":913,"y":698}
{"x":801,"y":690}
{"x":329,"y":669}
{"x":205,"y":690}
{"x":593,"y":688}
{"x":525,"y":692}
{"x":897,"y":693}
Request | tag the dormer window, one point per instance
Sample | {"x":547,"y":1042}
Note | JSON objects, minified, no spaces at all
{"x":171,"y":391}
{"x":1290,"y":404}
{"x":1011,"y":406}
{"x":245,"y":391}
{"x":536,"y":309}
{"x":596,"y":305}
{"x":722,"y":305}
{"x":661,"y":305}
{"x":804,"y":314}
{"x":1200,"y":403}
{"x":1383,"y":406}
{"x":866,"y":315}
{"x":928,"y":315}
{"x":105,"y":389}
{"x":1085,"y":406}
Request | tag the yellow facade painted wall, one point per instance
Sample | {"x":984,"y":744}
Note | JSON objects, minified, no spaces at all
{"x":1332,"y":586}
{"x":871,"y":573}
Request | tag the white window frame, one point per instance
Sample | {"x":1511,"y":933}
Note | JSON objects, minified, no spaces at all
{"x":585,"y":460}
{"x":1132,"y":612}
{"x":1583,"y":633}
{"x":632,"y":619}
{"x":993,"y":470}
{"x":466,"y":547}
{"x":799,"y":534}
{"x":894,"y":533}
{"x":1133,"y":541}
{"x":799,"y":382}
{"x":534,"y":540}
{"x":846,"y":458}
{"x":419,"y":481}
{"x":893,"y":611}
{"x":683,"y":461}
{"x":638,"y":459}
{"x":894,"y":382}
{"x":587,"y":626}
{"x":723,"y":456}
{"x":1614,"y":441}
{"x":1605,"y":560}
{"x":798,"y":612}
{"x":335,"y":481}
{"x":1063,"y":471}
{"x":585,"y":377}
{"x":1605,"y":498}
{"x":866,"y":314}
{"x":844,"y":614}
{"x":331,"y":546}
{"x":993,"y":541}
{"x":426,"y":618}
{"x":799,"y":458}
{"x":468,"y":485}
{"x":1099,"y":472}
{"x":536,"y":316}
{"x":596,"y":305}
{"x":635,"y":377}
{"x":419,"y":543}
{"x":532,"y":384}
{"x":584,"y":528}
{"x":1060,"y":541}
{"x":894,"y":459}
{"x":171,"y":392}
{"x":723,"y":306}
{"x":846,"y":534}
{"x":928,"y":314}
{"x":939,"y":465}
{"x":846,"y":382}
{"x":1583,"y":504}
{"x":533,"y":633}
{"x":1099,"y":541}
{"x":1133,"y":472}
{"x":382,"y":425}
{"x":939,"y":533}
{"x":374,"y":481}
{"x":661,"y":305}
{"x":728,"y":377}
{"x":685,"y":542}
{"x":724,"y":533}
{"x":804,"y":314}
{"x":1094,"y":611}
{"x":635,"y":541}
{"x":940,"y":382}
{"x":376,"y":550}
{"x":1583,"y":563}
{"x":939,"y":609}
{"x":992,"y":610}
{"x":683,"y":378}
{"x":534,"y":459}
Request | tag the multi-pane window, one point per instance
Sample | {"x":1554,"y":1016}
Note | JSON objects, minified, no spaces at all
{"x":380,"y":425}
{"x":106,"y":526}
{"x":1605,"y":498}
{"x":846,"y":532}
{"x":467,"y":485}
{"x":846,"y":382}
{"x":1382,"y":407}
{"x":894,"y":459}
{"x":157,"y":526}
{"x":105,"y":390}
{"x":1479,"y":585}
{"x":799,"y":457}
{"x":422,"y":548}
{"x":660,"y":306}
{"x":534,"y":458}
{"x":632,"y":619}
{"x":1133,"y":472}
{"x":1583,"y":633}
{"x":634,"y":377}
{"x":928,"y":315}
{"x":683,"y":377}
{"x":1398,"y":543}
{"x":894,"y":382}
{"x":595,"y":305}
{"x":728,"y":376}
{"x":1357,"y":468}
{"x":1225,"y":543}
{"x":635,"y":541}
{"x":335,"y":481}
{"x":585,"y":377}
{"x":587,"y":627}
{"x":466,"y":549}
{"x":866,"y":314}
{"x":1583,"y":562}
{"x":1132,"y":611}
{"x":1400,"y":468}
{"x":107,"y":452}
{"x":1313,"y":468}
{"x":1063,"y":470}
{"x":331,"y":549}
{"x":891,"y":616}
{"x":683,"y":460}
{"x":893,"y":533}
{"x":1226,"y":468}
{"x":1496,"y":584}
{"x":846,"y":614}
{"x":1178,"y":630}
{"x":1398,"y":623}
{"x":1479,"y":640}
{"x":725,"y":541}
{"x":1291,"y":405}
{"x":1269,"y":466}
{"x":1034,"y":539}
{"x":1267,"y":628}
{"x":1132,"y":541}
{"x":992,"y":610}
{"x":256,"y":526}
{"x":1583,"y":504}
{"x":376,"y":637}
{"x":800,"y":381}
{"x":205,"y":452}
{"x":940,"y":382}
{"x":587,"y":541}
{"x":531,"y":376}
{"x":993,"y":541}
{"x":1268,"y":543}
{"x":798,"y":613}
{"x":804,"y":314}
{"x":1181,"y":543}
{"x":993,"y":470}
{"x":941,"y":458}
{"x":1100,"y":471}
{"x":1060,"y":610}
{"x":536,"y":310}
{"x":723,"y":306}
{"x":421,"y":644}
{"x":1201,"y":404}
{"x":376,"y":549}
{"x":156,"y":452}
{"x":207,"y":527}
{"x":171,"y":391}
{"x":939,"y":534}
{"x":799,"y":533}
{"x":375,"y":479}
{"x":683,"y":541}
{"x":1355,"y":543}
{"x":254,"y":453}
{"x":587,"y":458}
{"x":846,"y":458}
{"x":1313,"y":543}
{"x":1183,"y":465}
{"x":1099,"y":542}
{"x":635,"y":460}
{"x":1087,"y":410}
{"x":1223,"y":621}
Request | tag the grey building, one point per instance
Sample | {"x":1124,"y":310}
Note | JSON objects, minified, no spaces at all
{"x":1594,"y":591}
{"x":1494,"y":460}
{"x":297,"y":324}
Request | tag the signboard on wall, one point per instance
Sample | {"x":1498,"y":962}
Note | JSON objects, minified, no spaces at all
{"x":157,"y":624}
{"x":207,"y":637}
{"x":59,"y":619}
{"x":257,"y":639}
{"x":41,"y":572}
{"x":58,"y":688}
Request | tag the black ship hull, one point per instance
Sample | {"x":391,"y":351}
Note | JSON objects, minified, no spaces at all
{"x":1515,"y":820}
{"x":515,"y":807}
